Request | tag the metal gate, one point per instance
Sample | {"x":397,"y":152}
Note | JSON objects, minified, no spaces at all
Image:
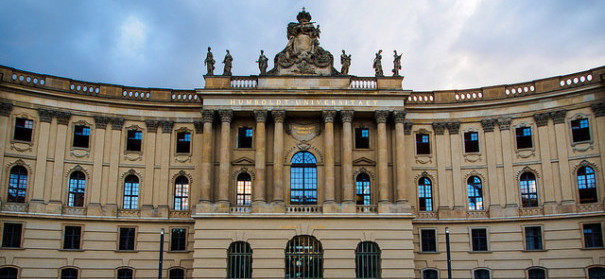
{"x":239,"y":260}
{"x":367,"y":260}
{"x":304,"y":258}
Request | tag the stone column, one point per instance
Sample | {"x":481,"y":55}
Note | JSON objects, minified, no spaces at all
{"x":328,"y":117}
{"x":566,"y":186}
{"x":382,"y":164}
{"x":278,"y":155}
{"x":541,"y":120}
{"x":347,"y":157}
{"x":61,"y":136}
{"x":206,"y":175}
{"x":400,"y":164}
{"x":497,"y":196}
{"x":46,"y":117}
{"x":197,"y":143}
{"x":258,"y":187}
{"x":225,"y":159}
{"x":147,"y":189}
{"x":598,"y":109}
{"x":98,"y":144}
{"x":510,"y":186}
{"x":117,"y":123}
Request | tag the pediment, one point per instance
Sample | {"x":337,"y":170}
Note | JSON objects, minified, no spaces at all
{"x":363,"y":161}
{"x":243,"y":161}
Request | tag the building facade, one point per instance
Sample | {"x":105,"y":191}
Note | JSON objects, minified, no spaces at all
{"x":301,"y":172}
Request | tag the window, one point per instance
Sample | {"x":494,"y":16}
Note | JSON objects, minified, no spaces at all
{"x":593,"y":236}
{"x":239,"y":260}
{"x":362,"y":138}
{"x":131,"y":192}
{"x":178,"y":239}
{"x":523,"y":135}
{"x":587,"y":185}
{"x":428,"y":240}
{"x":479,"y":239}
{"x":125,"y":273}
{"x":127,"y":239}
{"x":11,"y":236}
{"x":362,"y":185}
{"x":533,"y":238}
{"x":536,"y":273}
{"x":181,"y":193}
{"x":475,"y":193}
{"x":429,"y":274}
{"x":69,"y":273}
{"x":596,"y":273}
{"x":176,"y":273}
{"x":580,"y":130}
{"x":367,"y":260}
{"x":77,"y":188}
{"x":71,"y":237}
{"x":303,"y":178}
{"x":244,"y":189}
{"x":529,"y":192}
{"x":244,"y":137}
{"x":23,"y":129}
{"x":133,"y":141}
{"x":183,"y":142}
{"x":481,"y":274}
{"x":9,"y":273}
{"x":471,"y":142}
{"x":81,"y":136}
{"x":304,"y":257}
{"x":423,"y":144}
{"x":17,"y":184}
{"x":425,"y":194}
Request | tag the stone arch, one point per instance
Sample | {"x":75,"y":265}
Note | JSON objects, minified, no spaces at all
{"x":524,"y":170}
{"x":181,"y":173}
{"x":241,"y":170}
{"x":304,"y":146}
{"x":122,"y":181}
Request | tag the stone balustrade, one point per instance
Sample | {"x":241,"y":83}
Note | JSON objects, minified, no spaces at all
{"x":304,"y":209}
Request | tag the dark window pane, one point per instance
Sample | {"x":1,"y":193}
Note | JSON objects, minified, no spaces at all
{"x":523,"y":135}
{"x":133,"y":143}
{"x":362,"y":185}
{"x":367,"y":260}
{"x":425,"y":194}
{"x":593,"y":236}
{"x":303,"y":179}
{"x":11,"y":236}
{"x":81,"y":136}
{"x":304,"y":257}
{"x":17,"y":184}
{"x":580,"y":130}
{"x":479,"y":239}
{"x":239,"y":260}
{"x":8,"y":273}
{"x":529,"y":192}
{"x":475,"y":193}
{"x":596,"y":273}
{"x":471,"y":142}
{"x":481,"y":274}
{"x":181,"y":193}
{"x":23,"y":129}
{"x":177,"y":273}
{"x":131,"y":192}
{"x":429,"y":242}
{"x":429,"y":274}
{"x":72,"y":236}
{"x":127,"y":238}
{"x":362,"y":138}
{"x":423,"y":144}
{"x":77,"y":189}
{"x":536,"y":273}
{"x":587,"y":185}
{"x":533,"y":238}
{"x":178,"y":240}
{"x":183,"y":142}
{"x":244,"y":137}
{"x":125,"y":273}
{"x":69,"y":273}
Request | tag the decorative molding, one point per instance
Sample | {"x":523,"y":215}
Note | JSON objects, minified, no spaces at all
{"x":46,"y":115}
{"x":63,"y":117}
{"x":167,"y":126}
{"x":429,"y":176}
{"x":453,"y":127}
{"x":260,"y":115}
{"x":381,"y":116}
{"x":226,"y":115}
{"x":484,"y":181}
{"x":304,"y":146}
{"x":439,"y":127}
{"x":586,"y":163}
{"x":243,"y":161}
{"x":77,"y":168}
{"x":361,"y":170}
{"x":541,"y":119}
{"x":407,"y":128}
{"x":304,"y":131}
{"x":527,"y":169}
{"x":243,"y":170}
{"x":278,"y":116}
{"x":5,"y":109}
{"x":132,"y":171}
{"x":198,"y":125}
{"x":101,"y":121}
{"x":182,"y":173}
{"x":328,"y":115}
{"x":363,"y":161}
{"x":488,"y":124}
{"x":152,"y":125}
{"x":598,"y":109}
{"x":558,"y":117}
{"x":504,"y":123}
{"x":399,"y":116}
{"x":116,"y":123}
{"x":346,"y":116}
{"x":207,"y":116}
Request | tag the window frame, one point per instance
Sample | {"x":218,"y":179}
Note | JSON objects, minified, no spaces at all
{"x":21,"y":234}
{"x":596,"y":184}
{"x":576,"y":117}
{"x":13,"y":267}
{"x":478,"y":198}
{"x":69,"y":267}
{"x":436,"y":240}
{"x":374,"y":256}
{"x":360,"y":129}
{"x":246,"y":255}
{"x":75,"y":192}
{"x":583,"y":236}
{"x":74,"y":135}
{"x":487,"y":250}
{"x":31,"y":132}
{"x":363,"y":194}
{"x":126,"y":267}
{"x":186,"y":242}
{"x":245,"y":195}
{"x":313,"y":188}
{"x":432,"y":198}
{"x":80,"y":243}
{"x":536,"y":267}
{"x":119,"y":237}
{"x":138,"y":195}
{"x":252,"y":138}
{"x":429,"y":269}
{"x":127,"y":146}
{"x":429,"y":144}
{"x":489,"y":272}
{"x":529,"y":193}
{"x":524,"y":232}
{"x":464,"y":141}
{"x":18,"y":189}
{"x":179,"y":143}
{"x":177,"y":268}
{"x":531,"y":137}
{"x":181,"y":198}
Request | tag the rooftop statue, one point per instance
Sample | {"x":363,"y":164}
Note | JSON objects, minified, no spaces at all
{"x":262,"y":63}
{"x":227,"y":61}
{"x":303,"y":55}
{"x":378,"y":64}
{"x":209,"y":62}
{"x":396,"y":63}
{"x":345,"y":61}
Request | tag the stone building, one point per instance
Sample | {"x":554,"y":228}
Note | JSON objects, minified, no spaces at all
{"x":301,"y":173}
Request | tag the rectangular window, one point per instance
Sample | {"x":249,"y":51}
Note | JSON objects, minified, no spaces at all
{"x":133,"y":143}
{"x":183,"y":142}
{"x":362,"y":138}
{"x":523,"y":135}
{"x":71,"y":237}
{"x":593,"y":236}
{"x":479,"y":239}
{"x":244,"y":137}
{"x":127,"y":239}
{"x":178,"y":240}
{"x":23,"y":129}
{"x":428,"y":239}
{"x":423,"y":144}
{"x":579,"y":130}
{"x":11,"y":236}
{"x":533,"y":238}
{"x":471,"y":142}
{"x":81,"y":136}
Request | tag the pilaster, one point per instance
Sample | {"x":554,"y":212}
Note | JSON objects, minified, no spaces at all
{"x":258,"y":187}
{"x":98,"y":141}
{"x":149,"y":143}
{"x":512,"y":192}
{"x":328,"y":117}
{"x":164,"y":144}
{"x":382,"y":163}
{"x":278,"y":147}
{"x":453,"y":129}
{"x":41,"y":155}
{"x":491,"y":147}
{"x":207,"y":119}
{"x":347,"y":156}
{"x":225,"y":154}
{"x":61,"y":139}
{"x":598,"y":110}
{"x":117,"y":123}
{"x":541,"y":120}
{"x":561,"y":136}
{"x":400,"y":165}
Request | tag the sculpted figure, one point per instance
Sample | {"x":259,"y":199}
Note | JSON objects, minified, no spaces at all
{"x":227,"y":61}
{"x":396,"y":63}
{"x":378,"y":64}
{"x":345,"y":61}
{"x":262,"y":63}
{"x":209,"y":62}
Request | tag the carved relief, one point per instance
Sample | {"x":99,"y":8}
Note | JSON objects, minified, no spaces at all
{"x":304,"y":131}
{"x":237,"y":172}
{"x":370,"y":173}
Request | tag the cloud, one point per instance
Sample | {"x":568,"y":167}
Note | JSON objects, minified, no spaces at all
{"x":132,"y":39}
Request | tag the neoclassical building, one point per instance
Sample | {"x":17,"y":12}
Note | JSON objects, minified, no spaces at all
{"x":301,"y":172}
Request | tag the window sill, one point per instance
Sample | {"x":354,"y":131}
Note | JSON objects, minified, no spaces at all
{"x":71,"y":250}
{"x":80,"y":148}
{"x":12,"y":248}
{"x":21,"y":141}
{"x":480,"y":252}
{"x":179,"y":251}
{"x":126,"y":251}
{"x":593,"y":248}
{"x":435,"y":252}
{"x":534,"y":250}
{"x":136,"y":152}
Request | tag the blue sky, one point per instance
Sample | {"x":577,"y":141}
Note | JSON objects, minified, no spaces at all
{"x":446,"y":44}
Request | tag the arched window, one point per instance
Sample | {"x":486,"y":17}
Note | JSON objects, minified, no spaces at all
{"x":425,"y":194}
{"x":176,"y":273}
{"x":364,"y":196}
{"x":9,"y":273}
{"x":430,"y":274}
{"x":69,"y":273}
{"x":125,"y":273}
{"x":303,"y":178}
{"x":77,"y":188}
{"x":587,"y":185}
{"x":239,"y":260}
{"x":131,"y":192}
{"x":244,"y":189}
{"x":596,"y":273}
{"x":529,"y":193}
{"x":367,"y":260}
{"x":475,"y":193}
{"x":481,"y":274}
{"x":17,"y":184}
{"x":304,"y":257}
{"x":181,"y":193}
{"x":536,"y":273}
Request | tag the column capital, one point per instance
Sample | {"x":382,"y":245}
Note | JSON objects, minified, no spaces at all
{"x":399,"y":116}
{"x":152,"y":125}
{"x":207,"y":115}
{"x":116,"y":123}
{"x":407,"y":128}
{"x":381,"y":116}
{"x":504,"y":123}
{"x":328,"y":115}
{"x":439,"y":127}
{"x":541,"y":119}
{"x":101,"y":121}
{"x":260,"y":115}
{"x":63,"y":117}
{"x":346,"y":115}
{"x":5,"y":109}
{"x":226,"y":115}
{"x":558,"y":116}
{"x":598,"y":109}
{"x":453,"y":127}
{"x":46,"y":115}
{"x":488,"y":124}
{"x":278,"y":115}
{"x":167,"y":126}
{"x":198,"y":125}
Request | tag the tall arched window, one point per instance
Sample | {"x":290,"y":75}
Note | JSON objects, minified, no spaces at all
{"x":367,"y":260}
{"x":69,"y":273}
{"x":587,"y":185}
{"x":77,"y":188}
{"x":176,"y":273}
{"x":181,"y":193}
{"x":304,"y":257}
{"x":9,"y":273}
{"x":131,"y":192}
{"x":244,"y":189}
{"x":596,"y":273}
{"x":17,"y":184}
{"x":430,"y":274}
{"x":529,"y":193}
{"x":364,"y":196}
{"x":481,"y":274}
{"x":303,"y":178}
{"x":425,"y":194}
{"x":536,"y":273}
{"x":239,"y":260}
{"x":125,"y":273}
{"x":475,"y":193}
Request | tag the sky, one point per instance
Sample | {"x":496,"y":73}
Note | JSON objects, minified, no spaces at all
{"x":162,"y":44}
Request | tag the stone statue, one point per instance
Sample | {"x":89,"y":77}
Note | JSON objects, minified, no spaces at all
{"x":227,"y":61}
{"x":209,"y":62}
{"x":345,"y":61}
{"x":262,"y":63}
{"x":396,"y":63}
{"x":378,"y":64}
